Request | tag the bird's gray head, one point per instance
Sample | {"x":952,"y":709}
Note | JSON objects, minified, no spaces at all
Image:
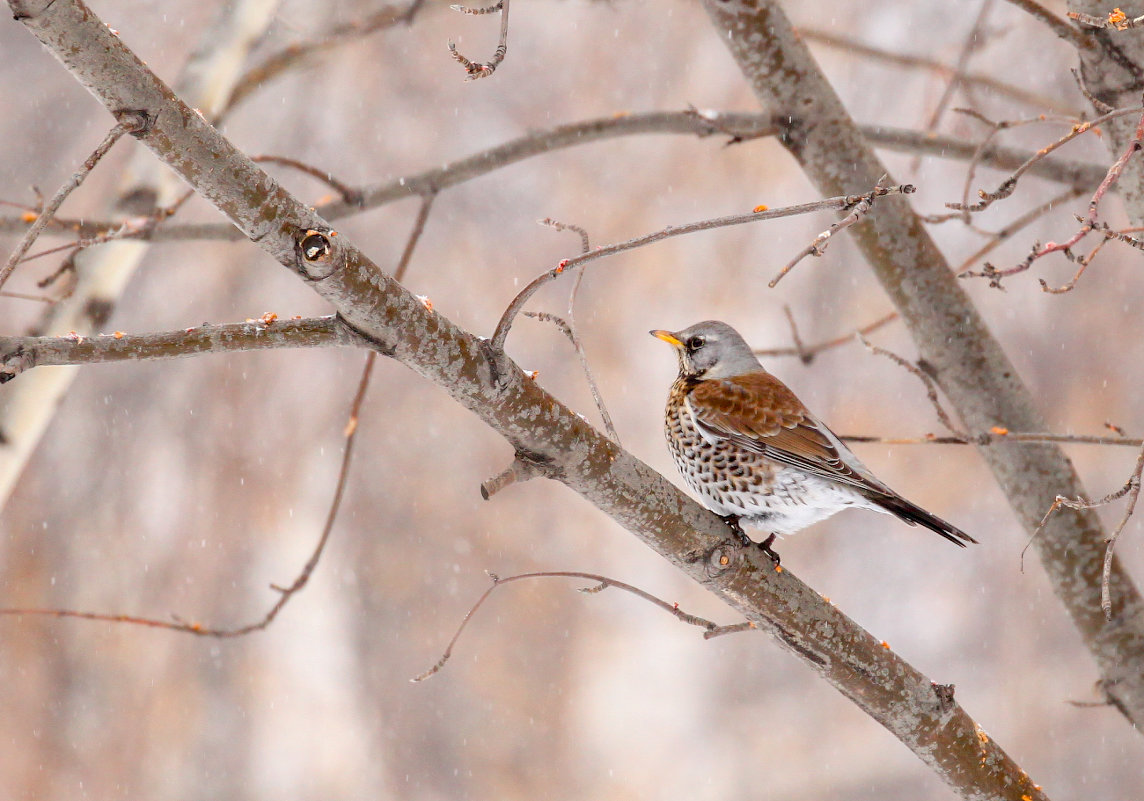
{"x":710,"y":349}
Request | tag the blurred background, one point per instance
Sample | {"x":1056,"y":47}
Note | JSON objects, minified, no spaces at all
{"x":188,"y":487}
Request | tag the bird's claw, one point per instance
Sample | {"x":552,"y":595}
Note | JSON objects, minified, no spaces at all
{"x":765,"y":547}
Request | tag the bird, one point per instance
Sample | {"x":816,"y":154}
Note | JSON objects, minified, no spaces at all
{"x":753,"y":451}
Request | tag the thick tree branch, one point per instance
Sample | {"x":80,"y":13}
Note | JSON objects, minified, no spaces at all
{"x":399,"y":325}
{"x":965,"y":359}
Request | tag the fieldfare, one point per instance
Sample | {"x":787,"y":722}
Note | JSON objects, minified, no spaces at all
{"x":752,"y":450}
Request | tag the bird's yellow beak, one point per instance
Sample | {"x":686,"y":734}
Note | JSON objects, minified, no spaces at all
{"x":667,"y":337}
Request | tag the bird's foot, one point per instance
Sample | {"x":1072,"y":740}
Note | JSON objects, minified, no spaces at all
{"x":732,"y":522}
{"x":765,"y":547}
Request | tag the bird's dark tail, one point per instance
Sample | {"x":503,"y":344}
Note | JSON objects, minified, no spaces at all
{"x":916,"y":516}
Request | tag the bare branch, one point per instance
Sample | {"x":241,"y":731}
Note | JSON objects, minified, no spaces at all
{"x":1078,"y":38}
{"x":739,"y":126}
{"x":130,"y":122}
{"x":296,"y":54}
{"x":857,"y":212}
{"x":1006,"y":188}
{"x":1131,"y":489}
{"x":927,"y":381}
{"x":569,"y":328}
{"x":980,"y":80}
{"x":806,"y":353}
{"x":476,"y":69}
{"x":1115,"y":19}
{"x":285,"y":593}
{"x":843,"y":202}
{"x":603,"y":582}
{"x":18,"y":354}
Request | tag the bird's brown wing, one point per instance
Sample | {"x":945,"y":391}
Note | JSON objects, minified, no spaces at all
{"x":758,"y":412}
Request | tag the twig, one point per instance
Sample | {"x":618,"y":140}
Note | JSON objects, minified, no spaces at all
{"x":981,"y":80}
{"x":505,"y":323}
{"x":969,"y":46}
{"x":129,"y":122}
{"x":414,"y":235}
{"x":476,"y":69}
{"x":1078,"y":38}
{"x":1088,"y":225}
{"x":1098,"y":104}
{"x":806,"y":353}
{"x":285,"y":593}
{"x":1115,"y":19}
{"x":999,"y":435}
{"x":1131,"y":489}
{"x":277,"y":64}
{"x":799,"y":348}
{"x":1019,"y":223}
{"x":857,"y":210}
{"x":926,"y":379}
{"x":1006,"y":188}
{"x":349,"y":194}
{"x":602,"y":583}
{"x":569,"y":329}
{"x":131,"y":228}
{"x":521,"y":469}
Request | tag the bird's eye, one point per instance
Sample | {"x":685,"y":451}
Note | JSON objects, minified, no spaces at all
{"x":696,"y":342}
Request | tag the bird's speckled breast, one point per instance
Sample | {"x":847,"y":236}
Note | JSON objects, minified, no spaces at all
{"x":731,"y":480}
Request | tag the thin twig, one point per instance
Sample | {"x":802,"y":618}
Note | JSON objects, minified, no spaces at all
{"x":703,"y":124}
{"x":569,"y":328}
{"x":131,"y":228}
{"x":1088,"y":225}
{"x":1115,"y":19}
{"x":800,"y":349}
{"x":1133,"y":486}
{"x":476,"y":69}
{"x":285,"y":593}
{"x":927,"y":381}
{"x":349,"y":194}
{"x":982,"y":80}
{"x":857,"y":211}
{"x":602,"y":583}
{"x":282,"y":61}
{"x":1077,"y":37}
{"x":971,"y":44}
{"x":806,"y":353}
{"x":1131,"y":489}
{"x":565,"y":265}
{"x":130,"y":122}
{"x":1006,"y":188}
{"x":414,"y":235}
{"x":1009,"y":184}
{"x":1016,"y":225}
